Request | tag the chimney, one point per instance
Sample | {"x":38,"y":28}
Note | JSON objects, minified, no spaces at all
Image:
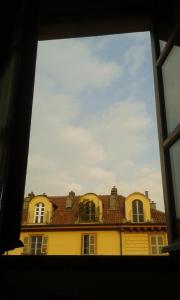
{"x":147,"y":194}
{"x":70,"y":199}
{"x":153,"y":205}
{"x":31,"y":195}
{"x":113,"y":198}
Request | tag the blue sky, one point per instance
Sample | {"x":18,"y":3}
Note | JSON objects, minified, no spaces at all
{"x":94,"y":123}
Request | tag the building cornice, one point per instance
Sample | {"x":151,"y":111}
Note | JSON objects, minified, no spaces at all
{"x":79,"y":227}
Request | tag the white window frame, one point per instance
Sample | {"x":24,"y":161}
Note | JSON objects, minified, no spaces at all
{"x":138,"y":214}
{"x":91,"y":245}
{"x":40,"y":245}
{"x":39,"y":213}
{"x":157,"y":245}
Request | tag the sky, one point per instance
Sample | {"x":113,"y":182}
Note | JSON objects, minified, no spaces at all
{"x":93,"y":119}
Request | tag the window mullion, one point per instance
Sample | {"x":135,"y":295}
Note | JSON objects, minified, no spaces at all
{"x":172,"y":138}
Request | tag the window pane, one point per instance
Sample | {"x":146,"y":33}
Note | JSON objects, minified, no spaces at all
{"x":171,"y":77}
{"x":153,"y":240}
{"x":92,"y":239}
{"x":135,"y":218}
{"x":141,"y":218}
{"x":175,"y":166}
{"x":160,"y":249}
{"x":154,"y":250}
{"x":160,"y":240}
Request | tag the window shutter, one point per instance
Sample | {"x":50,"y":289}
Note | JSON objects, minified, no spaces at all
{"x":26,"y":246}
{"x":153,"y":240}
{"x":92,"y":240}
{"x":160,"y":240}
{"x":82,"y":244}
{"x":154,"y":250}
{"x":44,"y":245}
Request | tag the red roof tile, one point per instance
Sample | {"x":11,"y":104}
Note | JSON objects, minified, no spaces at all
{"x":158,"y":216}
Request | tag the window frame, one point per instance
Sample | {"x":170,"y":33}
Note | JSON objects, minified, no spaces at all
{"x":49,"y":28}
{"x":137,"y":205}
{"x":27,"y":249}
{"x":39,"y":213}
{"x":156,"y":245}
{"x":87,"y":211}
{"x":89,"y":235}
{"x":166,"y":140}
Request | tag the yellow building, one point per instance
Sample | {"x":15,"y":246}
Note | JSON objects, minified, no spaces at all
{"x":91,"y":225}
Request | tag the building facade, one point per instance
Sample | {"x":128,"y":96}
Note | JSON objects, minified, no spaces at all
{"x":92,"y":224}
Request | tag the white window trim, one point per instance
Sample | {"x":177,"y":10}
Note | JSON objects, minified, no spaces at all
{"x":39,"y":213}
{"x":157,"y":245}
{"x":90,"y":244}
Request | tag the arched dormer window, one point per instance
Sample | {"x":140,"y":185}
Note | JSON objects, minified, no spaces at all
{"x":39,"y":213}
{"x":137,"y":211}
{"x":87,"y":211}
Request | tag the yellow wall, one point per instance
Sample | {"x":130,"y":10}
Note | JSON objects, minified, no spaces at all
{"x":146,"y":206}
{"x":69,"y":243}
{"x":139,"y":243}
{"x":48,"y":208}
{"x":135,"y":244}
{"x":108,"y":243}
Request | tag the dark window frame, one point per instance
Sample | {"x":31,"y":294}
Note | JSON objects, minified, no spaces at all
{"x":166,"y":140}
{"x":129,"y":19}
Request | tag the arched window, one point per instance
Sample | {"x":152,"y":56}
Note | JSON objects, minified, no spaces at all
{"x":88,"y":211}
{"x":39,"y":213}
{"x":137,"y":210}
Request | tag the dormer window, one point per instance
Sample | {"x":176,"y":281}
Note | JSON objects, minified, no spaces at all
{"x":39,"y":213}
{"x":87,"y":211}
{"x":137,"y":211}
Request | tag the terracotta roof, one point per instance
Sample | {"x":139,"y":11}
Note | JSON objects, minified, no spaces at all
{"x":64,"y":216}
{"x":158,"y":216}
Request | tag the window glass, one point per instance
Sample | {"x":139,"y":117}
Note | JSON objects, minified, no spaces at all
{"x":39,"y":213}
{"x":156,"y":244}
{"x":36,"y":243}
{"x":88,"y":244}
{"x":175,"y":166}
{"x":171,"y":77}
{"x":138,"y":214}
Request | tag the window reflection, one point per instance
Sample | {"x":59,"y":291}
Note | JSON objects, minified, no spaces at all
{"x":171,"y":76}
{"x":175,"y":166}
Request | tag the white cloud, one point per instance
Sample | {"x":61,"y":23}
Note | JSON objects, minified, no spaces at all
{"x":39,"y":162}
{"x":112,"y":148}
{"x":123,"y":128}
{"x":101,"y":175}
{"x":76,"y":135}
{"x":82,"y":142}
{"x":71,"y":66}
{"x":135,"y":57}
